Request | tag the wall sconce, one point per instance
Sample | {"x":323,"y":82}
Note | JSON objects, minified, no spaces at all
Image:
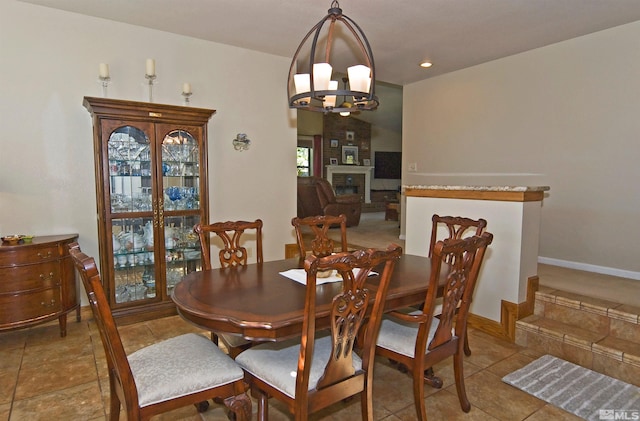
{"x":241,"y":142}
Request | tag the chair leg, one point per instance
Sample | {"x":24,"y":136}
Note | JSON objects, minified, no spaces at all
{"x":263,"y":406}
{"x":467,"y":350}
{"x":431,"y":379}
{"x":202,"y":406}
{"x":418,"y":394}
{"x":239,"y":406}
{"x":366,"y":401}
{"x":459,"y":378}
{"x":114,"y":402}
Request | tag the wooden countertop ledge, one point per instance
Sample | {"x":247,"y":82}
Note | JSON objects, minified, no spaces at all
{"x":498,"y":193}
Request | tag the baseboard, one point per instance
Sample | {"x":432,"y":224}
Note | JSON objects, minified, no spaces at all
{"x":590,"y":268}
{"x":291,"y":251}
{"x":509,"y":314}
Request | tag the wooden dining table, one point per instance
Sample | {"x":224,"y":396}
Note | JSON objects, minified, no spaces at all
{"x":259,"y":303}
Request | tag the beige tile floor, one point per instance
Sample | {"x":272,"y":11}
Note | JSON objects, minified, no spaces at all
{"x":45,"y":377}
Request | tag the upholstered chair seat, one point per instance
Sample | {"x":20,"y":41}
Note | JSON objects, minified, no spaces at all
{"x":180,"y":366}
{"x":276,"y":363}
{"x":399,"y":336}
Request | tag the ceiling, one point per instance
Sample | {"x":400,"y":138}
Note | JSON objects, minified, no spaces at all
{"x":453,"y":34}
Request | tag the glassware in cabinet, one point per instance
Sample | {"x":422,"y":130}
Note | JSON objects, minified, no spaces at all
{"x":151,"y":186}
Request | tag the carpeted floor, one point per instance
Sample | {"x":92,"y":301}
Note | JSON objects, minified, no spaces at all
{"x":373,"y":231}
{"x":583,"y":392}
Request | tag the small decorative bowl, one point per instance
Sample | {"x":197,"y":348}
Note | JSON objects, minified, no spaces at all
{"x":27,"y":239}
{"x":12,"y":240}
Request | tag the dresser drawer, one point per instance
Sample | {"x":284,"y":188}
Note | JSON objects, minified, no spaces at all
{"x":27,"y":278}
{"x":29,"y":255}
{"x":16,"y":308}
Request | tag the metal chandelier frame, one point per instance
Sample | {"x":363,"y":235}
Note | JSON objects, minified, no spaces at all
{"x":313,"y":100}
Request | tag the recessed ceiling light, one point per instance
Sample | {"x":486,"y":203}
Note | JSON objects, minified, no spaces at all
{"x":426,"y":64}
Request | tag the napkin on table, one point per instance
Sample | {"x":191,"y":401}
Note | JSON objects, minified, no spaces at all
{"x":300,"y":276}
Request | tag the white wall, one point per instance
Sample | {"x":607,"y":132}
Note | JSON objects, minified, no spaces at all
{"x":49,"y":61}
{"x":565,"y":116}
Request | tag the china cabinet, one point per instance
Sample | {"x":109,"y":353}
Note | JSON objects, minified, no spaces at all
{"x":151,"y":187}
{"x":37,"y":282}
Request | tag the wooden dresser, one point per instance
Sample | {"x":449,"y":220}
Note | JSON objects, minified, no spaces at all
{"x":37,"y":283}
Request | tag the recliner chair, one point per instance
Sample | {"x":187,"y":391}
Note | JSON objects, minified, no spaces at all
{"x":316,"y":197}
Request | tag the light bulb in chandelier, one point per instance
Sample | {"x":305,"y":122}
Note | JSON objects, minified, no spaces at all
{"x":309,"y":84}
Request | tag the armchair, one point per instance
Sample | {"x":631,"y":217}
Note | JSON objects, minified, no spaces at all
{"x":316,"y":197}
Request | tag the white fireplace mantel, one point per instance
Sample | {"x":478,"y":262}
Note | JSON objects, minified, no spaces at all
{"x":367,"y":170}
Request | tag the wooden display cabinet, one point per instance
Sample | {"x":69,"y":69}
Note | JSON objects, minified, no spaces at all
{"x":151,"y":186}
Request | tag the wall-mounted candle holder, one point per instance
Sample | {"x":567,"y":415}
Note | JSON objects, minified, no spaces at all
{"x":151,"y":79}
{"x":104,"y":81}
{"x":186,"y":96}
{"x":241,"y":142}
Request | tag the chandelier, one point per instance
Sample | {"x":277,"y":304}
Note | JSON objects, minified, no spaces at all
{"x":312,"y":88}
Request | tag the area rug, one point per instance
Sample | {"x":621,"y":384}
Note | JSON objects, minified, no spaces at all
{"x":583,"y":392}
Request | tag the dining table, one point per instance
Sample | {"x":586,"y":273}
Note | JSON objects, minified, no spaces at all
{"x":259,"y":303}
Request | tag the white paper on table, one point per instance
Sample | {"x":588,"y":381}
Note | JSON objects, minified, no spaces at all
{"x":300,"y":276}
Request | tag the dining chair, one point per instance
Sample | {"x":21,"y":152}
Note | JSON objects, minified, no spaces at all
{"x":457,"y":227}
{"x":232,"y":254}
{"x":419,"y":339}
{"x":321,"y":244}
{"x":184,"y":370}
{"x":230,"y":232}
{"x":318,"y":369}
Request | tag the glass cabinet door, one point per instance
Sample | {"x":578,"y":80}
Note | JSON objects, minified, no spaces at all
{"x":130,"y":170}
{"x":181,"y":171}
{"x":133,"y":259}
{"x":151,"y":189}
{"x":182,"y":248}
{"x":181,"y":204}
{"x":130,"y":202}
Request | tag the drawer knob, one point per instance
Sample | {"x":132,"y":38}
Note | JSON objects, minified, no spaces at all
{"x":46,"y":277}
{"x":44,"y":256}
{"x":51,"y":304}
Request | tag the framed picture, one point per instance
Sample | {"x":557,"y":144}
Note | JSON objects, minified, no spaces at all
{"x":334,"y":143}
{"x":366,"y":162}
{"x":350,"y":135}
{"x":350,"y":155}
{"x":333,"y":161}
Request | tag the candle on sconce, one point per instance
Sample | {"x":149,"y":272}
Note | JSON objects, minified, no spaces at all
{"x":186,"y":88}
{"x":151,"y":67}
{"x":104,"y":70}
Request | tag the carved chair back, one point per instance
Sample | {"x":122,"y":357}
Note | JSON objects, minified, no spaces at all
{"x":457,"y":227}
{"x":321,"y":244}
{"x":463,"y":258}
{"x":348,"y":311}
{"x":410,"y":339}
{"x":230,"y":232}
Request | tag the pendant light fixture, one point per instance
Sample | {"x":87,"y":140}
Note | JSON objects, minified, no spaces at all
{"x":310,"y":87}
{"x":345,"y":104}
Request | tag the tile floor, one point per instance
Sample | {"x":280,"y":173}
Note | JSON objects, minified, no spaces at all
{"x":45,"y":377}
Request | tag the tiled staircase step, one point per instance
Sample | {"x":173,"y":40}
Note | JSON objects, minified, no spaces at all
{"x":619,"y":349}
{"x":600,"y":335}
{"x":560,"y":331}
{"x":597,"y":315}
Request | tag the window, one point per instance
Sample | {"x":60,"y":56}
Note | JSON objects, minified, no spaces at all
{"x":304,"y":161}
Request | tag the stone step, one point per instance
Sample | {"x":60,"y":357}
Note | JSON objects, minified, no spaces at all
{"x":600,"y":335}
